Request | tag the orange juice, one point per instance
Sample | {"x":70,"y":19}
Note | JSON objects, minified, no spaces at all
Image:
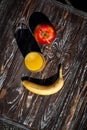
{"x":34,"y":61}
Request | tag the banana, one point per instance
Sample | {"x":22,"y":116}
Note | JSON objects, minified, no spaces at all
{"x":45,"y":90}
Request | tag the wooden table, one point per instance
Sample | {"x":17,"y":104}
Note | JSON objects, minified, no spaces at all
{"x":65,"y":110}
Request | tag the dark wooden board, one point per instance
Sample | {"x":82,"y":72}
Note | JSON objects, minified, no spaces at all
{"x":65,"y":110}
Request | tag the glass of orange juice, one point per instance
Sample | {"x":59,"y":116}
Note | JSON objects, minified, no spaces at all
{"x":34,"y":61}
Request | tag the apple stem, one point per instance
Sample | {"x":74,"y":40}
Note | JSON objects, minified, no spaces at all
{"x":48,"y":41}
{"x":44,"y":34}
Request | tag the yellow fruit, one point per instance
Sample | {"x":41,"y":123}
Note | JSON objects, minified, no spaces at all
{"x":45,"y":90}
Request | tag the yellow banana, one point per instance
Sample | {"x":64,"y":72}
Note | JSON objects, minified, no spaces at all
{"x":45,"y":90}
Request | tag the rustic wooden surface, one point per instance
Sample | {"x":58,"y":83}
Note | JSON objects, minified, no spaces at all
{"x":65,"y":110}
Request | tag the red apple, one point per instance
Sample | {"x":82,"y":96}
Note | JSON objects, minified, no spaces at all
{"x":44,"y":33}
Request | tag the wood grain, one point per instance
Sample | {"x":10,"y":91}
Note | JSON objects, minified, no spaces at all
{"x":66,"y":110}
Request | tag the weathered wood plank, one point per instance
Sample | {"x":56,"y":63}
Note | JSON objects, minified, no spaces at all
{"x":65,"y":110}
